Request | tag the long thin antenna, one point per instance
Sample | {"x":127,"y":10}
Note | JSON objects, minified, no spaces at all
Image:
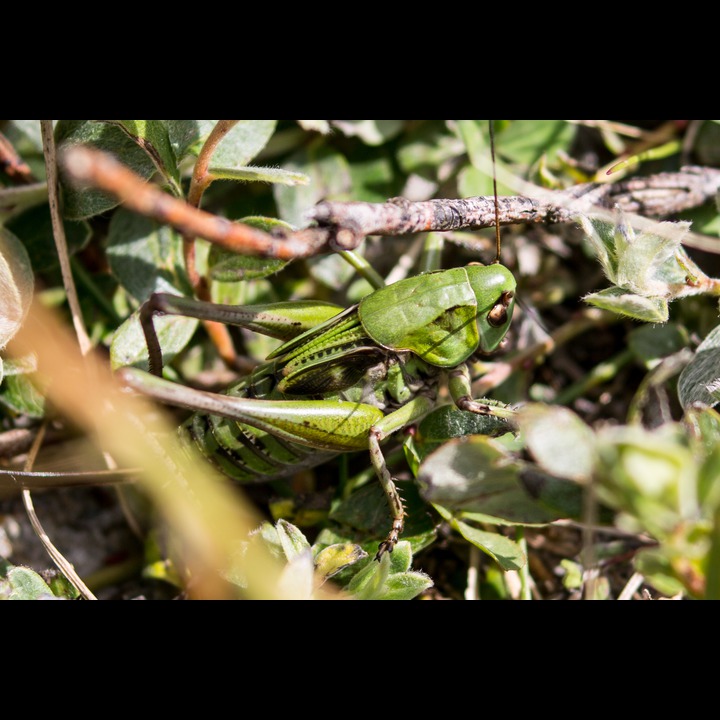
{"x":491,"y":123}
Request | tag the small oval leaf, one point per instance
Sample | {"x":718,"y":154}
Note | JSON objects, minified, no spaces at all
{"x":559,"y":441}
{"x":334,"y":558}
{"x":22,"y":583}
{"x":292,"y":540}
{"x":260,"y":174}
{"x":506,"y":552}
{"x":152,"y":137}
{"x":246,"y":139}
{"x":226,"y":266}
{"x":624,"y":302}
{"x":405,"y":586}
{"x":86,"y":202}
{"x":144,"y":256}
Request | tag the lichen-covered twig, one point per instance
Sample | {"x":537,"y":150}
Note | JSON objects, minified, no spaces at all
{"x":654,"y":195}
{"x":343,"y":225}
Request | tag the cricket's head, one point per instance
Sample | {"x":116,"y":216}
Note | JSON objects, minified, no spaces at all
{"x":494,"y":287}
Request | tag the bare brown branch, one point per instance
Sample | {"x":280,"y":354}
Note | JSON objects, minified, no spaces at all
{"x":105,"y":172}
{"x":48,"y":140}
{"x":343,"y":225}
{"x":655,"y":195}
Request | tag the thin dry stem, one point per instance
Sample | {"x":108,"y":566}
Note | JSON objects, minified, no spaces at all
{"x":632,"y":585}
{"x":59,"y":235}
{"x":63,"y":564}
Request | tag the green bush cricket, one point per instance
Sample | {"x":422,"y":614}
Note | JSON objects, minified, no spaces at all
{"x":344,"y":380}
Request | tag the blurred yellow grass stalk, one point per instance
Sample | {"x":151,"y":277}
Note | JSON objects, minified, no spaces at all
{"x":208,"y":517}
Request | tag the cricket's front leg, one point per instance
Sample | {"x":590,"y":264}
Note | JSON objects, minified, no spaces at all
{"x":461,"y":392}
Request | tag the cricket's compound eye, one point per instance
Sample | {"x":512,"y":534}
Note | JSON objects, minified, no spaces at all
{"x":498,"y":315}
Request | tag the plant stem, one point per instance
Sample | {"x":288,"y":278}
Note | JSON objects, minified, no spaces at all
{"x":524,"y":572}
{"x":59,"y":235}
{"x":57,"y":557}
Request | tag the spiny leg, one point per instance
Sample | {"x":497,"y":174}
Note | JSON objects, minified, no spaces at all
{"x":387,"y":482}
{"x":396,"y":420}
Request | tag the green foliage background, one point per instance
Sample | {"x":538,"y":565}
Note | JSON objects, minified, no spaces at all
{"x":611,"y":435}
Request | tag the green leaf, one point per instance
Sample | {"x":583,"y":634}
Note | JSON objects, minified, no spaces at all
{"x":656,"y":567}
{"x":557,"y":497}
{"x":701,"y":373}
{"x":20,"y":395}
{"x":712,"y":588}
{"x":246,"y":139}
{"x":330,"y":179}
{"x":650,"y":344}
{"x":401,"y":557}
{"x":368,"y":582}
{"x":506,"y":552}
{"x":389,"y":579}
{"x":260,"y":174}
{"x":365,"y":515}
{"x":16,"y":285}
{"x":525,"y":141}
{"x":152,"y":137}
{"x":648,"y":263}
{"x":226,"y":266}
{"x":372,"y":179}
{"x":144,"y":256}
{"x":129,"y":348}
{"x":335,"y":558}
{"x":371,"y":132}
{"x":448,"y":421}
{"x":292,"y":540}
{"x":84,"y":203}
{"x":475,"y":135}
{"x":707,"y":144}
{"x":25,"y":135}
{"x":473,"y":182}
{"x":426,"y":148}
{"x":405,"y":586}
{"x":652,"y":264}
{"x":559,"y":441}
{"x":650,"y":475}
{"x":624,"y":302}
{"x":187,"y":136}
{"x":331,"y":270}
{"x":475,"y":474}
{"x":600,"y":233}
{"x":34,"y":228}
{"x":21,"y":583}
{"x":704,"y":432}
{"x":243,"y":143}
